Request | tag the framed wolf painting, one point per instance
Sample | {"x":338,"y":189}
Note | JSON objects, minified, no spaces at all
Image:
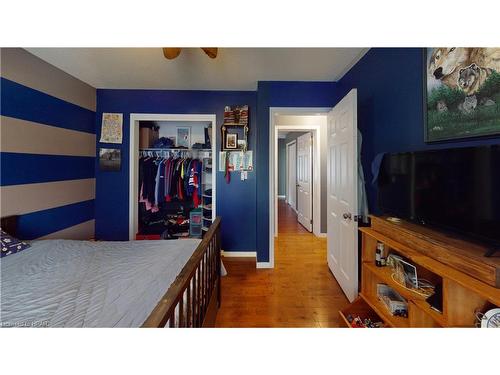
{"x":461,"y":93}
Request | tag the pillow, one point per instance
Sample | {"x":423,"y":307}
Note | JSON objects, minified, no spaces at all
{"x":10,"y":245}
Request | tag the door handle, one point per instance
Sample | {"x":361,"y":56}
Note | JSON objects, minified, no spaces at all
{"x":347,"y":216}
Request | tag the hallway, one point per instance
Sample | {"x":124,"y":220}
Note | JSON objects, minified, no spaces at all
{"x":299,"y":292}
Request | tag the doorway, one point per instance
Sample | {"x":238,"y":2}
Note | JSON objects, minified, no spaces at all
{"x":335,"y":184}
{"x":312,"y":121}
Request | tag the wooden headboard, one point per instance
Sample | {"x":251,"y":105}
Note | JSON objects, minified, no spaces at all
{"x":9,"y":224}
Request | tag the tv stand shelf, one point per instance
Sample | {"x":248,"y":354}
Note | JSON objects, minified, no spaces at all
{"x":380,"y":309}
{"x":465,"y":256}
{"x":437,"y":261}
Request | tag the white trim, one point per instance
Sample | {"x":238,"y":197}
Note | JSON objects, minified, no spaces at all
{"x":282,"y":196}
{"x":321,"y":235}
{"x":239,"y":254}
{"x":273,"y":132}
{"x":265,"y":265}
{"x":134,"y":165}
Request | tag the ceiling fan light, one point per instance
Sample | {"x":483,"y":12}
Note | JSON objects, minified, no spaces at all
{"x":171,"y":53}
{"x":211,"y":52}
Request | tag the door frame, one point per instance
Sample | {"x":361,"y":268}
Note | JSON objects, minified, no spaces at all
{"x":273,"y":166}
{"x":134,"y":164}
{"x":287,"y":178}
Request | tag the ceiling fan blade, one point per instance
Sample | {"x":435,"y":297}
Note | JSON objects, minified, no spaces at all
{"x":211,"y":52}
{"x":171,"y":53}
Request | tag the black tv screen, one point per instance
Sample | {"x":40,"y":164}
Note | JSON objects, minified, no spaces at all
{"x":453,"y":189}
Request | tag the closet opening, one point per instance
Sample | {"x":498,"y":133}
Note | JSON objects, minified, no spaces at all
{"x":172,"y":176}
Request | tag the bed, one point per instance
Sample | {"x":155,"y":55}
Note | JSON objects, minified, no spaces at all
{"x":66,"y":283}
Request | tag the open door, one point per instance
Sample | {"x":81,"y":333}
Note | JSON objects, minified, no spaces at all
{"x":291,"y":152}
{"x":342,"y":199}
{"x":304,"y":180}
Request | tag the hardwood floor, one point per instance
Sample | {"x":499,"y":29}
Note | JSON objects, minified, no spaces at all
{"x":299,"y":292}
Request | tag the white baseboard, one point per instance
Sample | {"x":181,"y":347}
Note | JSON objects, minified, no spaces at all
{"x":281,"y":196}
{"x":239,"y":254}
{"x":264,"y":265}
{"x":322,"y":235}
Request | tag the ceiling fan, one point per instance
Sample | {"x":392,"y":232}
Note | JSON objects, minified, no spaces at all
{"x":171,"y":53}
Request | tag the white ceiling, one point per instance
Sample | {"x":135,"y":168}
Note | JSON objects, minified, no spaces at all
{"x":233,"y":69}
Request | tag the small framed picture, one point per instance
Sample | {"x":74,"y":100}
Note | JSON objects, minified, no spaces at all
{"x":184,"y":137}
{"x":110,"y":159}
{"x":232,"y":140}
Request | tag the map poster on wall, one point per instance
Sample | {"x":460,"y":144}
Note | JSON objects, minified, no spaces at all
{"x":111,"y":128}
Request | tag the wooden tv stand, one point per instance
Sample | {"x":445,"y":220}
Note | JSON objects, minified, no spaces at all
{"x":470,"y":282}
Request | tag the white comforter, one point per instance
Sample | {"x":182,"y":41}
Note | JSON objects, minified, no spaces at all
{"x":64,"y":283}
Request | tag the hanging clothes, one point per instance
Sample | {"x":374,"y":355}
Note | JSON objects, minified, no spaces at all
{"x":169,"y":188}
{"x":164,"y":180}
{"x":159,"y":183}
{"x":147,"y":183}
{"x":194,"y":182}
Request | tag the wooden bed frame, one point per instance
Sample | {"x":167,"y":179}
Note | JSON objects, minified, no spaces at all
{"x":194,"y":297}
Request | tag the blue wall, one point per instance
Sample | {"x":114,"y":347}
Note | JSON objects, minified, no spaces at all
{"x":280,"y":94}
{"x":389,"y":82}
{"x":390,"y":117}
{"x":235,"y":201}
{"x":239,"y":203}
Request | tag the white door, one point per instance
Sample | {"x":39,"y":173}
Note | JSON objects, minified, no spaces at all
{"x":342,"y":175}
{"x":292,"y":175}
{"x":304,"y":180}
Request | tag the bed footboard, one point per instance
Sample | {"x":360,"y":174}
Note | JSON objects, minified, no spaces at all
{"x":193,"y":298}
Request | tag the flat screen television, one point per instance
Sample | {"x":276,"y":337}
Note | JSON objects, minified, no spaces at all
{"x":454,"y":189}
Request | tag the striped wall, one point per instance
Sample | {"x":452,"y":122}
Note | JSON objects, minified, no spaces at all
{"x":47,"y":144}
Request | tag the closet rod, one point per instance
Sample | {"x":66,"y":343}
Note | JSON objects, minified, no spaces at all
{"x":174,"y":149}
